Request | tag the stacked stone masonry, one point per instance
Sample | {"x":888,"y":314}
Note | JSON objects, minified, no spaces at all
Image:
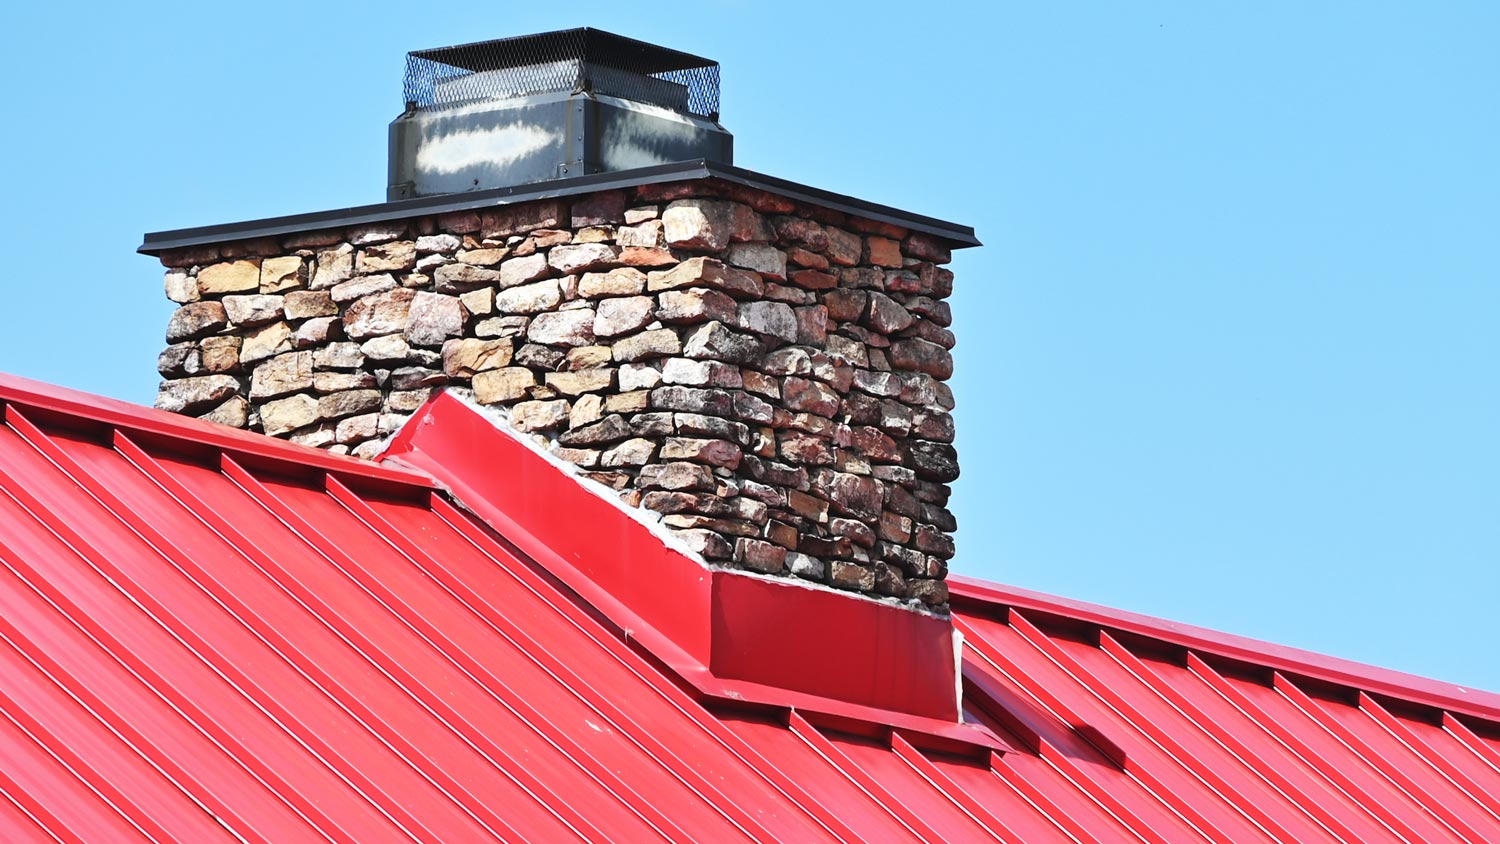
{"x":766,"y":375}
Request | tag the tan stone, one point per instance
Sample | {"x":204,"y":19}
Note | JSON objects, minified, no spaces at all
{"x":285,"y":373}
{"x":623,"y":281}
{"x":479,"y":302}
{"x":539,"y":415}
{"x":234,"y":412}
{"x":229,"y":277}
{"x":221,"y":354}
{"x":433,"y":318}
{"x":334,"y":265}
{"x":284,"y":272}
{"x":483,"y":257}
{"x":305,"y":304}
{"x":383,"y":313}
{"x":582,"y":381}
{"x":463,"y":358}
{"x":586,"y":410}
{"x":499,"y":385}
{"x":261,"y":343}
{"x":635,"y":401}
{"x":284,"y":415}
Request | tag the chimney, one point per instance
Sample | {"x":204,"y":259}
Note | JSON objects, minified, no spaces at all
{"x":759,"y":362}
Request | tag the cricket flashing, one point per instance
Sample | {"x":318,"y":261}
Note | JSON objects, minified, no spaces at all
{"x":734,"y":636}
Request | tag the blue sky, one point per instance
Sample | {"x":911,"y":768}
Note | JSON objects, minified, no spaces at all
{"x":1229,"y":355}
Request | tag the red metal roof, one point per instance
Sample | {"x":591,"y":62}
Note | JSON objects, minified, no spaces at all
{"x":213,"y":636}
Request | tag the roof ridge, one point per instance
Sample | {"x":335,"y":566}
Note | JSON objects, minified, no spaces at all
{"x":1365,"y":677}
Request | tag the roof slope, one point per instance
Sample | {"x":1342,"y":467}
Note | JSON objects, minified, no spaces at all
{"x":210,"y":636}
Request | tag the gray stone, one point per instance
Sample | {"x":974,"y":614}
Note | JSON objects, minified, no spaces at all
{"x":256,"y":309}
{"x":623,"y":315}
{"x":563,"y":328}
{"x":391,"y":348}
{"x":700,"y":373}
{"x":285,"y":373}
{"x":767,"y":260}
{"x":632,"y":452}
{"x":713,"y":341}
{"x":576,"y":258}
{"x":445,"y":244}
{"x":768,"y":319}
{"x":191,"y":395}
{"x":348,"y":403}
{"x":529,"y":298}
{"x":637,"y":376}
{"x":676,"y":476}
{"x":610,"y":429}
{"x":338,"y":356}
{"x":648,"y":344}
{"x":433,"y":318}
{"x":195,"y":320}
{"x":182,"y":288}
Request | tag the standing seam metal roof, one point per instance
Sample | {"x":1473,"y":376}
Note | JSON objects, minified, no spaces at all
{"x":213,"y":636}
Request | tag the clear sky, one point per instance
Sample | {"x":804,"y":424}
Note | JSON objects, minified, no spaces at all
{"x":1229,"y":356}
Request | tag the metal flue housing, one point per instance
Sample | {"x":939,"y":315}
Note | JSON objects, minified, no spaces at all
{"x":524,"y":110}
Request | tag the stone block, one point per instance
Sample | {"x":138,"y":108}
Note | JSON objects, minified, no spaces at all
{"x":241,"y":276}
{"x":285,"y":415}
{"x":563,"y":328}
{"x":195,"y":320}
{"x":192,"y":395}
{"x":647,"y":344}
{"x":502,"y":385}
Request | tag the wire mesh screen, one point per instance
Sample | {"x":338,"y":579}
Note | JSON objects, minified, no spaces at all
{"x":569,"y":61}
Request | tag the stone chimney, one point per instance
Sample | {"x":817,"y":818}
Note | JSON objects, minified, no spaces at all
{"x":760,"y":362}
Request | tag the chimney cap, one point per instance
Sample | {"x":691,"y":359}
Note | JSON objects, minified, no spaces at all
{"x":535,"y":59}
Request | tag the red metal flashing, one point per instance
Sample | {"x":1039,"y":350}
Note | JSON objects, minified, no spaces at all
{"x":733,"y":636}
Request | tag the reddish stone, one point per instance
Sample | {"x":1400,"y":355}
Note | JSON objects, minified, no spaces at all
{"x":920,"y":355}
{"x":811,"y":396}
{"x":845,"y":305}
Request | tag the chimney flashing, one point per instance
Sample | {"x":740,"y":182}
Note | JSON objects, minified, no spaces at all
{"x":954,"y":235}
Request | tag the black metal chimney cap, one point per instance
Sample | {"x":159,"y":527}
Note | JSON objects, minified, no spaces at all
{"x":586,"y":44}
